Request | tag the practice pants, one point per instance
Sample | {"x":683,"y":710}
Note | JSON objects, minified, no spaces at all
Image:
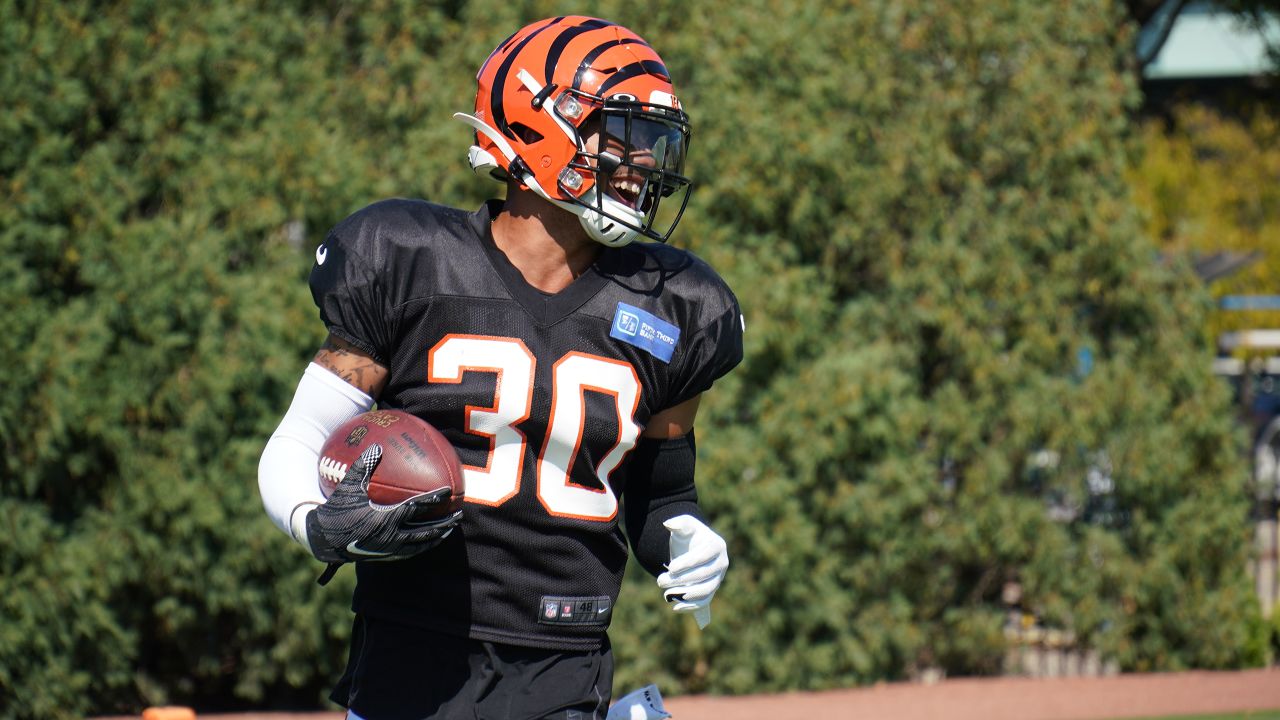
{"x":402,"y":672}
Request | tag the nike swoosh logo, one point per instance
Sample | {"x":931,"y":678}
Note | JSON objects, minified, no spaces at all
{"x":321,"y":253}
{"x":351,"y":548}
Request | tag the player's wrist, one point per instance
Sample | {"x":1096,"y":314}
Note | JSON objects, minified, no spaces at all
{"x":298,"y":523}
{"x":316,"y":540}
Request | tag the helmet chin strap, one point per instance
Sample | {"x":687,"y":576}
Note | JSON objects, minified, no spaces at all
{"x":600,"y":228}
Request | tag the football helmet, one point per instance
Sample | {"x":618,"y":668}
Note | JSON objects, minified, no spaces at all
{"x":582,"y":112}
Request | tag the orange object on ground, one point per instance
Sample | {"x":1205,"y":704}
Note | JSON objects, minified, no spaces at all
{"x":168,"y":713}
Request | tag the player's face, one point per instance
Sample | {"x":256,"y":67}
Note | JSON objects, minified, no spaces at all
{"x":627,"y":149}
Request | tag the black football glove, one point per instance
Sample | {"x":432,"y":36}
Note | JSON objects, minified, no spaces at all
{"x":348,"y":527}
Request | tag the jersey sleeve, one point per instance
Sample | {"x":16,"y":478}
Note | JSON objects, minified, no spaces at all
{"x":349,"y":292}
{"x":712,"y":352}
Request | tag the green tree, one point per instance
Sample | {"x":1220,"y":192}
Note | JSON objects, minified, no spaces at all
{"x":954,"y":322}
{"x":166,"y":171}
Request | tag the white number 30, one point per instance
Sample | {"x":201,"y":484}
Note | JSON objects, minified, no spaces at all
{"x":574,"y":374}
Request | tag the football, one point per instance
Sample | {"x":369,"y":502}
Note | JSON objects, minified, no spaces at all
{"x":416,"y":460}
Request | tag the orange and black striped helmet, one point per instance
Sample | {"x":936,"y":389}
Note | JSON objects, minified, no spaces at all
{"x":582,"y":112}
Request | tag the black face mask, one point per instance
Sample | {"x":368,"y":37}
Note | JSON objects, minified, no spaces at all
{"x":639,"y":164}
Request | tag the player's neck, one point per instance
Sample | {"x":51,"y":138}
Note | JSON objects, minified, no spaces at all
{"x":545,"y":243}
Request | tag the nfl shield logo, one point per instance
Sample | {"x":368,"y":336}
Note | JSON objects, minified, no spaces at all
{"x":549,"y":610}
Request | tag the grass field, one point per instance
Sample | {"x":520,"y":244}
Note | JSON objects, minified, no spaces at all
{"x":1249,"y":715}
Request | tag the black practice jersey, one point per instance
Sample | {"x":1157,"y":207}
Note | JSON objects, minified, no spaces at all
{"x":543,"y":395}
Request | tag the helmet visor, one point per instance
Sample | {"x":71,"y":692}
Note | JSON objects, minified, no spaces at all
{"x":637,"y":155}
{"x":650,"y":141}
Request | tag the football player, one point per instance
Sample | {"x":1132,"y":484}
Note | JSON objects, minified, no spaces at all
{"x":564,"y":361}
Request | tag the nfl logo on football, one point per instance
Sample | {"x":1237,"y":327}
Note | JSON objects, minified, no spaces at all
{"x":627,"y":323}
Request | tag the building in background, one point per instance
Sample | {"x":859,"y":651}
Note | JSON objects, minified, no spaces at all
{"x":1202,"y":42}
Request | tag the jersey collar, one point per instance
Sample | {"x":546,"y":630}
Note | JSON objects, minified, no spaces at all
{"x":545,"y":309}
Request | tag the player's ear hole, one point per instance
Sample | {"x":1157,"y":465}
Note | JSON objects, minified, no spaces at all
{"x":526,"y":134}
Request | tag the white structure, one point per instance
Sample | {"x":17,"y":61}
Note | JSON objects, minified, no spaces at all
{"x":1206,"y":42}
{"x":1266,"y":464}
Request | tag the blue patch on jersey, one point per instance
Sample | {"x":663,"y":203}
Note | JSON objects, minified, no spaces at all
{"x":645,"y":330}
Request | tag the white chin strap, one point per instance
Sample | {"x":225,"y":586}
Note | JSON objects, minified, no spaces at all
{"x":599,"y":227}
{"x":604,"y":229}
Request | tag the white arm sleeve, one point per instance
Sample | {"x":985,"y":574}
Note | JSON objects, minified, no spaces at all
{"x":288,"y":478}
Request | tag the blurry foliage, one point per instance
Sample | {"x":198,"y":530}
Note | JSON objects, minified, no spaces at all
{"x":923,"y":207}
{"x":1210,"y":182}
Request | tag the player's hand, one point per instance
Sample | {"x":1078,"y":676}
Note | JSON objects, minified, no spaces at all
{"x":348,"y":527}
{"x":699,"y":560}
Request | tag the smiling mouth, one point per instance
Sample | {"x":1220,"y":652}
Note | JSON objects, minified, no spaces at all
{"x":628,"y":188}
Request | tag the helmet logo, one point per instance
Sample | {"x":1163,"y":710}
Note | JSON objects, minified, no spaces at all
{"x":665,"y":99}
{"x":657,"y":97}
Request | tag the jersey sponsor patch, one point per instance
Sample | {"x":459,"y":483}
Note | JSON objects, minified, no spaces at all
{"x":560,"y":610}
{"x":645,"y":330}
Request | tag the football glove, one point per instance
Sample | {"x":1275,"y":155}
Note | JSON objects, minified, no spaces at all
{"x":349,"y":527}
{"x":699,"y":560}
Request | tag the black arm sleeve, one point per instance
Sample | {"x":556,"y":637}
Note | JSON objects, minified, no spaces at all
{"x":659,"y":487}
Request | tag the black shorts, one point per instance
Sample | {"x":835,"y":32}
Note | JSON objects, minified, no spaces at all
{"x":400,"y":672}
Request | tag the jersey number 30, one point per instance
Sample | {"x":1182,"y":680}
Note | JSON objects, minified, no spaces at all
{"x":574,"y":374}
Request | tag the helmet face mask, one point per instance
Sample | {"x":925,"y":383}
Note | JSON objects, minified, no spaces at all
{"x":629,"y":168}
{"x":582,"y":112}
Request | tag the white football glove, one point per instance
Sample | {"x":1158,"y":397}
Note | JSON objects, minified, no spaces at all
{"x":642,"y":704}
{"x":699,"y":560}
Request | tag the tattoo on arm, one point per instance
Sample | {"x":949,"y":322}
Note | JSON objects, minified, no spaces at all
{"x":352,"y":365}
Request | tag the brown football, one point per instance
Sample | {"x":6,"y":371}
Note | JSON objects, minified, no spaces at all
{"x":416,"y":460}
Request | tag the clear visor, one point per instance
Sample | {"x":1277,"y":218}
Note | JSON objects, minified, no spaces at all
{"x":644,"y":141}
{"x":638,"y":155}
